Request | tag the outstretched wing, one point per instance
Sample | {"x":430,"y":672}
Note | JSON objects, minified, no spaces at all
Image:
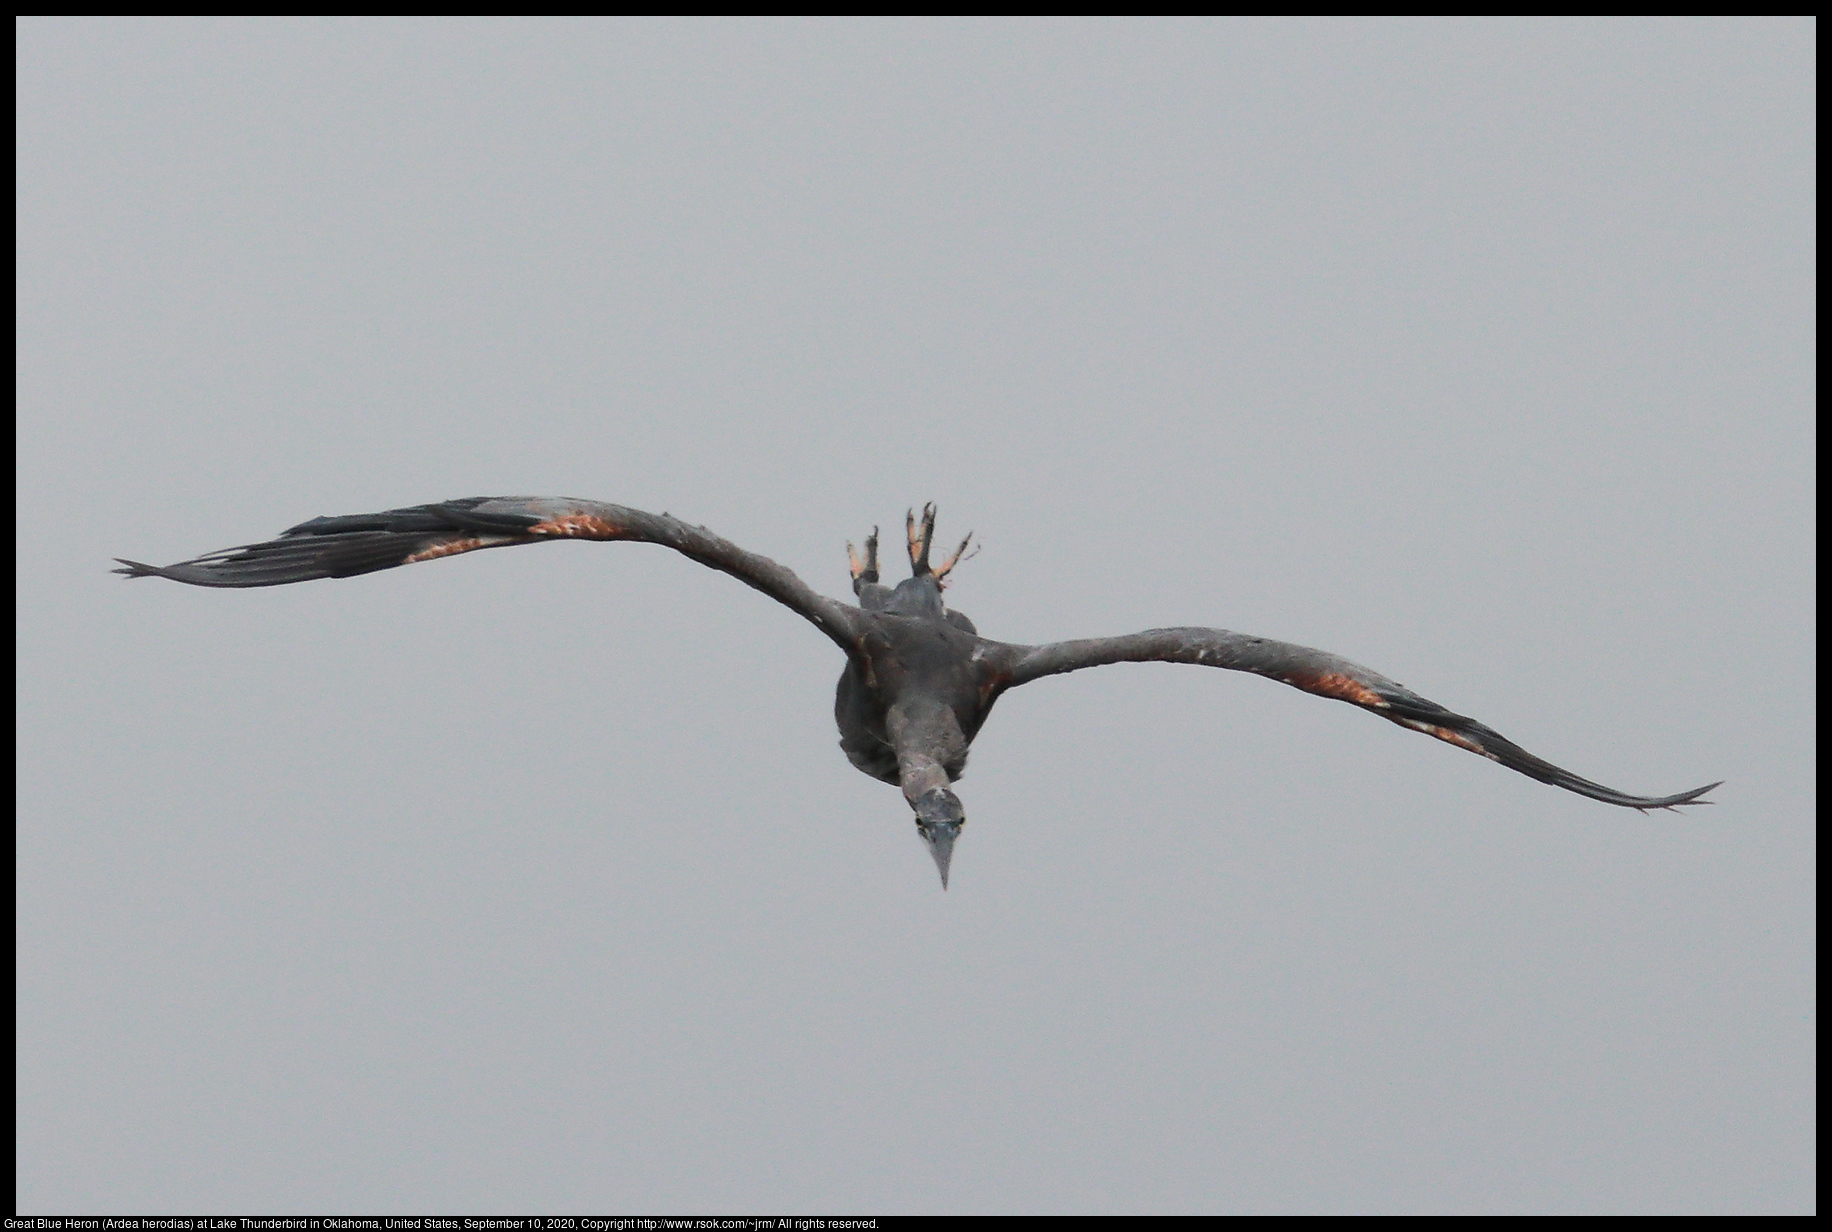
{"x":1314,"y":671}
{"x":364,"y":543}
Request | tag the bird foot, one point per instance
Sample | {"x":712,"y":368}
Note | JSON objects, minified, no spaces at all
{"x":922,"y":538}
{"x":960,"y":553}
{"x":864,"y":572}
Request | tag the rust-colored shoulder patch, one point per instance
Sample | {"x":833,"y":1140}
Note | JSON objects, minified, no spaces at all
{"x":580,"y":526}
{"x":1341,"y":687}
{"x":451,"y":547}
{"x":992,"y":686}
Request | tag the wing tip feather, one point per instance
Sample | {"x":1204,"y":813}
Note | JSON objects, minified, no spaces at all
{"x":1674,"y":803}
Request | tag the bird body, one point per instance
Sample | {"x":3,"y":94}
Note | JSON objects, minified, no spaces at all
{"x":919,"y":680}
{"x":913,"y":680}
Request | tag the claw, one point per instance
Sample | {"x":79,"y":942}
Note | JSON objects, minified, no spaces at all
{"x":961,"y":553}
{"x":920,"y":540}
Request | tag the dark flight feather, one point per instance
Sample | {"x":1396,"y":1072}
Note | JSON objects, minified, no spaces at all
{"x":883,"y":639}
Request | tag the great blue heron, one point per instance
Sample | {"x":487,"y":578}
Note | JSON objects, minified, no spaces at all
{"x":919,"y":679}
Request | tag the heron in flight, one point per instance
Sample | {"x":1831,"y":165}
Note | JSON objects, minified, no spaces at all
{"x":919,"y":679}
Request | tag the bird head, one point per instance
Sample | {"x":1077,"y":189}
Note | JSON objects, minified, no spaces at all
{"x":939,"y":818}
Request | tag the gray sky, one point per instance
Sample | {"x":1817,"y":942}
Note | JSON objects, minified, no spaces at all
{"x":1477,"y":352}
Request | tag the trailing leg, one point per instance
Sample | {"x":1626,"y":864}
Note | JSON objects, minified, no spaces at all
{"x":920,"y":539}
{"x":865,"y":573}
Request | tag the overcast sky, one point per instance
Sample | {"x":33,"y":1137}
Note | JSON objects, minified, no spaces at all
{"x":1478,"y":352}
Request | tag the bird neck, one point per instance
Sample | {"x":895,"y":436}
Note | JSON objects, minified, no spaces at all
{"x":919,"y":775}
{"x":927,"y":738}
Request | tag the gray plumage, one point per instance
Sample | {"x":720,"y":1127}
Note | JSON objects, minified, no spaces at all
{"x":919,"y":680}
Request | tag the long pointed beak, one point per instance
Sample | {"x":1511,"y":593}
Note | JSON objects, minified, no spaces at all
{"x":941,"y":846}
